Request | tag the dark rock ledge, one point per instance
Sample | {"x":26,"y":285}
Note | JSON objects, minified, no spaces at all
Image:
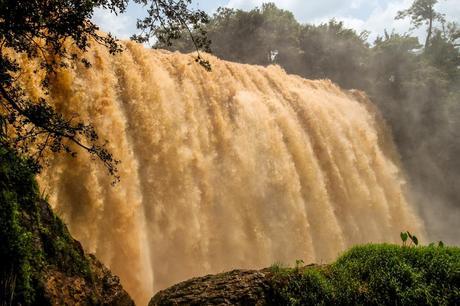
{"x":238,"y":287}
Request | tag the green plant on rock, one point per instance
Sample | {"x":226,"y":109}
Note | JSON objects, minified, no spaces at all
{"x":32,"y":237}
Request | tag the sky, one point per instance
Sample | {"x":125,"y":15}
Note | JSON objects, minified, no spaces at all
{"x":372,"y":15}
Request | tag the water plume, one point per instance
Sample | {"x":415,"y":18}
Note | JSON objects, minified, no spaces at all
{"x":240,"y":167}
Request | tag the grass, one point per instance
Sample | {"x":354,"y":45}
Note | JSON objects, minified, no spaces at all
{"x":380,"y":274}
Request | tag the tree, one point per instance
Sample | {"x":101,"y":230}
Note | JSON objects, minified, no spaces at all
{"x":422,"y":12}
{"x":252,"y":37}
{"x":40,"y":30}
{"x":444,"y":51}
{"x":330,"y":50}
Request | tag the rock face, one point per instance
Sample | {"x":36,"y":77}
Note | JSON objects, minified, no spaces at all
{"x":72,"y":277}
{"x":106,"y":289}
{"x":40,"y":262}
{"x":238,"y":287}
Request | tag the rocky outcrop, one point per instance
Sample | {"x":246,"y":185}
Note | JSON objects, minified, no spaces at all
{"x":78,"y":278}
{"x":372,"y":274}
{"x":69,"y":276}
{"x":103,"y":289}
{"x":40,"y":262}
{"x":238,"y":287}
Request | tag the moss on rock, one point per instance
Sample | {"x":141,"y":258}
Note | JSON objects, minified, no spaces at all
{"x":40,"y":262}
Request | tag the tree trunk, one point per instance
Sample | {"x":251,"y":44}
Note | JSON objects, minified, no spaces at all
{"x":430,"y":29}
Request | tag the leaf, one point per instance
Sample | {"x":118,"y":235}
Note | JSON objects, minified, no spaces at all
{"x":441,"y":244}
{"x":414,"y":240}
{"x":409,"y":234}
{"x":404,"y":237}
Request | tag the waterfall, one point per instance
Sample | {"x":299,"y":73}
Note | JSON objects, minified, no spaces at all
{"x":240,"y":167}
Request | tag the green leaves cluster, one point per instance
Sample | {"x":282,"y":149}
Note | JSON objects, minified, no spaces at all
{"x":422,"y":12}
{"x":39,"y":30}
{"x":17,"y":254}
{"x":406,"y":235}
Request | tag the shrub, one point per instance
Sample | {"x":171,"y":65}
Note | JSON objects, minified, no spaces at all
{"x":375,"y":275}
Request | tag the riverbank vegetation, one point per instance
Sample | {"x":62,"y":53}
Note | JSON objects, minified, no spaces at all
{"x":377,"y":274}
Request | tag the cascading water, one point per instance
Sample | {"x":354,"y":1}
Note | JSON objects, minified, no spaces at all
{"x":240,"y":167}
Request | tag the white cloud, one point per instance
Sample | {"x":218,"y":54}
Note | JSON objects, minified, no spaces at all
{"x":122,"y":26}
{"x":304,"y":10}
{"x":383,"y":18}
{"x":372,"y":15}
{"x":356,"y":4}
{"x":451,"y":8}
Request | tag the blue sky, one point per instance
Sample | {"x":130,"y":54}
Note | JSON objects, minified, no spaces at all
{"x":372,"y":15}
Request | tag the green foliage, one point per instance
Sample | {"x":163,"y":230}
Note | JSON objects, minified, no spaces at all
{"x":32,"y":238}
{"x":17,"y":190}
{"x":413,"y":238}
{"x":443,"y":50}
{"x":38,"y":30}
{"x":422,"y":12}
{"x":375,"y":275}
{"x":308,"y":287}
{"x":299,"y":263}
{"x":269,"y":35}
{"x":325,"y":53}
{"x":404,"y":237}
